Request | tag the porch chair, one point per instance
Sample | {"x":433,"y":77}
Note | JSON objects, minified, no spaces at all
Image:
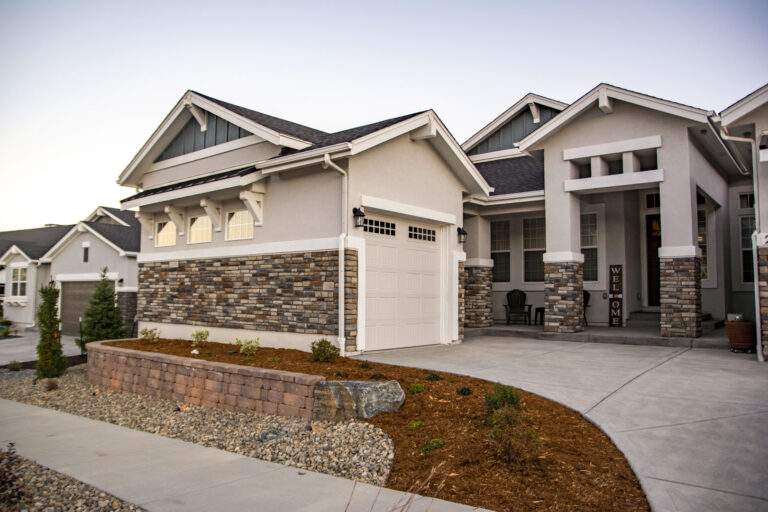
{"x":586,"y":305}
{"x":516,"y":306}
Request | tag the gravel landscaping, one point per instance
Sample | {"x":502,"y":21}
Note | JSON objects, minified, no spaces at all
{"x":46,"y":490}
{"x":356,"y":450}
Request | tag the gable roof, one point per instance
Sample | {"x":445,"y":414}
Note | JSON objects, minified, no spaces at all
{"x":603,"y":94}
{"x":513,"y":175}
{"x":34,"y":243}
{"x":122,"y":217}
{"x":745,"y":105}
{"x":515,"y":109}
{"x":125,"y":240}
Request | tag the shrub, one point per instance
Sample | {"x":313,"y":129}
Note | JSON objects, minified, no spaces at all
{"x":199,"y":337}
{"x":415,"y":424}
{"x":151,"y":335}
{"x":432,"y":444}
{"x":11,"y":490}
{"x":365,"y":365}
{"x":5,"y":323}
{"x":324,"y":351}
{"x":4,"y":331}
{"x":433,"y":377}
{"x":50,"y":358}
{"x":248,"y":347}
{"x":464,"y":391}
{"x":102,"y":319}
{"x":501,"y":396}
{"x":513,"y":441}
{"x":14,"y":366}
{"x":416,"y":388}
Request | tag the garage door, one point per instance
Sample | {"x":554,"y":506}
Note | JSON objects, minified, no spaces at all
{"x":75,"y":297}
{"x":402,"y":283}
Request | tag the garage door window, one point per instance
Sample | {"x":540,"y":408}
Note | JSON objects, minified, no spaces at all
{"x":418,"y":233}
{"x":19,"y":282}
{"x":379,"y":227}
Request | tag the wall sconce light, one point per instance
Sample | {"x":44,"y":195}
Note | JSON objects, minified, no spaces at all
{"x":359,"y":215}
{"x":462,"y":235}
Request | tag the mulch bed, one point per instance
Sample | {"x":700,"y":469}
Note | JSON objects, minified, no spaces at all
{"x":578,"y":467}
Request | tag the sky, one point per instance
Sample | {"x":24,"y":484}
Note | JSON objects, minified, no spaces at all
{"x":84,"y":84}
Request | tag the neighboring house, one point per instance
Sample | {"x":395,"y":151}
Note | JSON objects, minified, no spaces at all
{"x":616,"y":180}
{"x":250,"y":222}
{"x":72,"y":257}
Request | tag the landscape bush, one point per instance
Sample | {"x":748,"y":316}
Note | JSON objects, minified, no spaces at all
{"x":432,"y":444}
{"x":501,"y":396}
{"x":323,"y":351}
{"x":50,"y":357}
{"x":199,"y":337}
{"x":5,"y":322}
{"x":102,"y":319}
{"x":415,"y":424}
{"x":513,"y":440}
{"x":4,"y":331}
{"x":416,"y":388}
{"x":433,"y":377}
{"x":463,"y":391}
{"x":14,"y":366}
{"x":11,"y":490}
{"x":151,"y":335}
{"x":248,"y":347}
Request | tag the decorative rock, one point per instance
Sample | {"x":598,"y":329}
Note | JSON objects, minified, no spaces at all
{"x":347,"y":399}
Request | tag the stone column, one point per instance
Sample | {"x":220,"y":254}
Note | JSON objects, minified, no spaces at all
{"x":563,"y":296}
{"x":350,"y":300}
{"x":126,"y":301}
{"x":478,"y":296}
{"x":680,"y":289}
{"x":462,"y":299}
{"x":762,"y":280}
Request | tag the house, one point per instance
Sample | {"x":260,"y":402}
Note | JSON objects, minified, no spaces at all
{"x":72,"y":256}
{"x":391,"y":234}
{"x":646,"y":204}
{"x":250,"y":222}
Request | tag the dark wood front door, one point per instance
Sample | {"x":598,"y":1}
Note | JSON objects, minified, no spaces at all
{"x":652,"y":244}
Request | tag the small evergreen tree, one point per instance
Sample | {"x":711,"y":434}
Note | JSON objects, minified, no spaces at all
{"x":102,"y":319}
{"x":50,"y":357}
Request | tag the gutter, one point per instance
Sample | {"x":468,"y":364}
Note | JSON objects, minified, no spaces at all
{"x":756,"y":280}
{"x":328,"y":163}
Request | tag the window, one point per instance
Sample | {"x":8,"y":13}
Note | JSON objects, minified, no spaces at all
{"x":615,"y":165}
{"x":239,"y":225}
{"x":500,"y":251}
{"x":417,"y":233}
{"x":589,"y":239}
{"x":701,"y":240}
{"x":534,"y":245}
{"x":200,"y":230}
{"x":165,"y":235}
{"x":747,"y":228}
{"x":584,"y":169}
{"x":85,"y":254}
{"x":652,"y":201}
{"x":379,"y":227}
{"x":746,"y":201}
{"x":18,"y":282}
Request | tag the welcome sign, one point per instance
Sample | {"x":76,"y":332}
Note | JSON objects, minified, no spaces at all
{"x":616,"y":296}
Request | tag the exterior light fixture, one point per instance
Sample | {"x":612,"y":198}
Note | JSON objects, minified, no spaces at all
{"x":462,"y":234}
{"x":359,"y":215}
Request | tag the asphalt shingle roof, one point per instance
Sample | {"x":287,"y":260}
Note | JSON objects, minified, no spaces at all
{"x":512,"y":175}
{"x":34,"y":242}
{"x":126,"y":238}
{"x":127,"y":216}
{"x":191,"y":183}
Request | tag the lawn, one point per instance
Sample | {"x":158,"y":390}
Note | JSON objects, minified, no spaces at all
{"x":442,"y":437}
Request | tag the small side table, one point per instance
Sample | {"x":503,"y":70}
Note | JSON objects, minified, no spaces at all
{"x":538,"y":316}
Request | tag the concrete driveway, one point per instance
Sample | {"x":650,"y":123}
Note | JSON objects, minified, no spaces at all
{"x":692,"y":422}
{"x":24,"y":348}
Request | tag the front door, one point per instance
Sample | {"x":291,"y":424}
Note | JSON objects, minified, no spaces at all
{"x":652,"y":244}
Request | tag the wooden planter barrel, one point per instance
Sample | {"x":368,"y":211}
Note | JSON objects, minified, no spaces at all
{"x":741,"y":335}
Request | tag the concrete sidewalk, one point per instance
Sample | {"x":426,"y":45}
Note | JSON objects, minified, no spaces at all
{"x":692,"y":422}
{"x":162,"y":474}
{"x":24,"y":348}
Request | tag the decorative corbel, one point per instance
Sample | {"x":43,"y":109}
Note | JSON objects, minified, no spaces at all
{"x":254,"y":202}
{"x":213,"y":210}
{"x":148,"y":222}
{"x":604,"y":102}
{"x":535,"y":112}
{"x":177,"y":217}
{"x":200,"y":115}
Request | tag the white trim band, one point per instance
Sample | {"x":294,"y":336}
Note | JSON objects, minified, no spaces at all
{"x":478,"y":262}
{"x":407,"y":210}
{"x":126,"y":289}
{"x":608,"y":148}
{"x":312,"y":244}
{"x":92,"y":276}
{"x":563,"y":257}
{"x":615,"y":182}
{"x":679,"y":251}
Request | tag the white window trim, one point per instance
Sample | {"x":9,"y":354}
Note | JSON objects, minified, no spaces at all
{"x":602,"y":269}
{"x":190,"y":218}
{"x":531,"y":285}
{"x":226,"y":225}
{"x":735,"y":224}
{"x":157,"y":234}
{"x":12,"y":280}
{"x":508,"y":251}
{"x":742,"y":215}
{"x":711,"y":219}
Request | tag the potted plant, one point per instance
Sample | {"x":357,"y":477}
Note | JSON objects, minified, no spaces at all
{"x":741,"y":333}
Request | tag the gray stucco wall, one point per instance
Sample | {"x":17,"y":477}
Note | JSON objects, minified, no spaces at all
{"x":70,"y":260}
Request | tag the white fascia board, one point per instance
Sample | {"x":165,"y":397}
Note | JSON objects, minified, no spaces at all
{"x":390,"y":132}
{"x":467,"y":166}
{"x":302,"y":159}
{"x":497,"y":155}
{"x":519,"y":197}
{"x":81,"y":227}
{"x":387,"y":206}
{"x":619,"y":146}
{"x":232,"y":251}
{"x":205,"y":188}
{"x":609,"y":91}
{"x":13,"y":251}
{"x":615,"y":182}
{"x":101,"y":212}
{"x":508,"y":114}
{"x":207,"y":152}
{"x":89,"y":276}
{"x":744,"y":106}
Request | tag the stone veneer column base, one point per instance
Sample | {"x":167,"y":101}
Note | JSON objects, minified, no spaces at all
{"x":762,"y":281}
{"x":462,"y":298}
{"x":563,"y":297}
{"x":680,"y":290}
{"x":478,"y":298}
{"x":126,"y":301}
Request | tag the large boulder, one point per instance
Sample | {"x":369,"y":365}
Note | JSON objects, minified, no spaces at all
{"x":342,"y":400}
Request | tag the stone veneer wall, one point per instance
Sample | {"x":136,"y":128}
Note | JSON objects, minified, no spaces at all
{"x":126,"y":301}
{"x":204,"y":383}
{"x":294,"y":292}
{"x":479,"y":297}
{"x":462,"y":298}
{"x":680,"y":290}
{"x":762,"y":280}
{"x":563,"y":297}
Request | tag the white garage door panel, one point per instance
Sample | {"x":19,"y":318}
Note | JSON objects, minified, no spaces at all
{"x":402,"y":289}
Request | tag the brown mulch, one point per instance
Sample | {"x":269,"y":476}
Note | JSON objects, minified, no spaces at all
{"x":578,"y":467}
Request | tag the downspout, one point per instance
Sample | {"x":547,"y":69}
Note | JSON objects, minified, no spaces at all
{"x":755,"y":278}
{"x":327,"y":162}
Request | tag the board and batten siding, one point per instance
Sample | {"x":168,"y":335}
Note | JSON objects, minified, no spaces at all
{"x":514,"y":130}
{"x":191,"y":139}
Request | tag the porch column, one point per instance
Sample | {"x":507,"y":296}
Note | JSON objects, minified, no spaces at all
{"x":563,"y":261}
{"x":479,"y":273}
{"x":679,"y":260}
